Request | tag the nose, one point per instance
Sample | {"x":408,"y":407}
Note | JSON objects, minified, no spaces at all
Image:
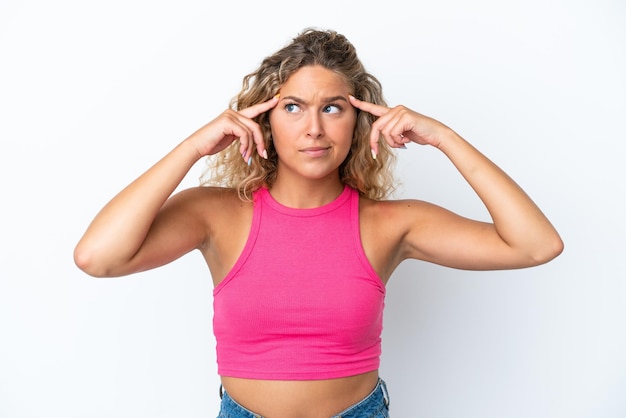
{"x":315,"y":129}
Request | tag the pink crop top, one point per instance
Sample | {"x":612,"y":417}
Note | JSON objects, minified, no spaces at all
{"x":302,"y":302}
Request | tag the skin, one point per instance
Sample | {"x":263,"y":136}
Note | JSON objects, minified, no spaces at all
{"x":312,"y":121}
{"x":314,"y":104}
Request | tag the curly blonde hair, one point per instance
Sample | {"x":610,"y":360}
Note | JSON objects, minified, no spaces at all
{"x":371,"y":177}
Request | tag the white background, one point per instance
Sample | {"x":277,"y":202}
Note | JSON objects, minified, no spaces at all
{"x":93,"y":93}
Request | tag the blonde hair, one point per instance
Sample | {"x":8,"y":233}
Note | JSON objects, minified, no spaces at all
{"x":371,"y":177}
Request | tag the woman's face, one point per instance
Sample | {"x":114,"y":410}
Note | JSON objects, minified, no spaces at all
{"x":312,"y":124}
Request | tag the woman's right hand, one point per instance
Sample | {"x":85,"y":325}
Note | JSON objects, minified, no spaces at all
{"x":231,"y":125}
{"x":137,"y":230}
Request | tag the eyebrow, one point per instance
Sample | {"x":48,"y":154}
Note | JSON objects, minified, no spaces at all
{"x":324,"y":100}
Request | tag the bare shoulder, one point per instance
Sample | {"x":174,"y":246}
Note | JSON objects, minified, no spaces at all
{"x":399,"y":218}
{"x":210,"y":201}
{"x":394,"y":230}
{"x":395,"y":213}
{"x":384,"y":226}
{"x":226,"y":218}
{"x":205,"y":212}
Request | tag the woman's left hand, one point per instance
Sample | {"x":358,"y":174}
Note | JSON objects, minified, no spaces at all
{"x":520,"y":234}
{"x":399,"y":125}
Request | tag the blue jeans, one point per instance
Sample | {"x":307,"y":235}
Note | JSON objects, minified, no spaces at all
{"x":375,"y":405}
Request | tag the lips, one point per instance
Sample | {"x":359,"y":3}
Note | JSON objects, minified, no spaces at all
{"x":315,"y":151}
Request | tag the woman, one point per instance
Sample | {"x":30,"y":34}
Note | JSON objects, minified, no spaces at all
{"x":295,"y":228}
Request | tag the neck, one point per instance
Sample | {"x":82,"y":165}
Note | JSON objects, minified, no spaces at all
{"x":306,"y":194}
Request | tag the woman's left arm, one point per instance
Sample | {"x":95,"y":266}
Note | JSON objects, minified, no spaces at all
{"x":520,"y":235}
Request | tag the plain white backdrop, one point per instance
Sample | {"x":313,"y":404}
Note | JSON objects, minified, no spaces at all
{"x":93,"y":93}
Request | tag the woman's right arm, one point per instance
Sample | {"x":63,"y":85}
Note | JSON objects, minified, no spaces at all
{"x":142,"y":227}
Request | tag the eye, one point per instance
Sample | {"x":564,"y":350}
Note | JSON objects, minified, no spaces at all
{"x":332,"y":109}
{"x":292,"y":108}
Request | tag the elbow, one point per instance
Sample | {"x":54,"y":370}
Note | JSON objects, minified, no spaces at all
{"x":549,"y":250}
{"x":559,"y":246}
{"x":87,"y":262}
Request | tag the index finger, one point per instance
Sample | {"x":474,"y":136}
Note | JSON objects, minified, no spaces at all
{"x":368,"y":107}
{"x":255,"y":110}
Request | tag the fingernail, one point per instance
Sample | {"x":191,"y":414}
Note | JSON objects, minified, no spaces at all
{"x":277,"y":96}
{"x":249,"y":161}
{"x":265,"y":154}
{"x":373,"y":154}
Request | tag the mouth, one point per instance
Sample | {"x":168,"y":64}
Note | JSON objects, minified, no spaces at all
{"x":315,"y":151}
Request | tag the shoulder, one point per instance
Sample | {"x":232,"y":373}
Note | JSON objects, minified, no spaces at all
{"x":394,"y":210}
{"x":203,"y":195}
{"x":402,"y":219}
{"x":395,"y":230}
{"x":209,"y":203}
{"x":385,"y":226}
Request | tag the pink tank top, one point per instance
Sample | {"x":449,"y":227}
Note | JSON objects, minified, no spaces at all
{"x":302,"y":302}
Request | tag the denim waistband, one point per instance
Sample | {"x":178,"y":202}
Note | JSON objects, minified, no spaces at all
{"x":374,"y":405}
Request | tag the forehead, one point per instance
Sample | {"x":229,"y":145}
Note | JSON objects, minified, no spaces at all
{"x":311,"y":79}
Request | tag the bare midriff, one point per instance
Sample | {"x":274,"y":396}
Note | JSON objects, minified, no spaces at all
{"x":301,"y":398}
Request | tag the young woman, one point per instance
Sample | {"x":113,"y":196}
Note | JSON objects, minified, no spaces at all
{"x":295,"y":225}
